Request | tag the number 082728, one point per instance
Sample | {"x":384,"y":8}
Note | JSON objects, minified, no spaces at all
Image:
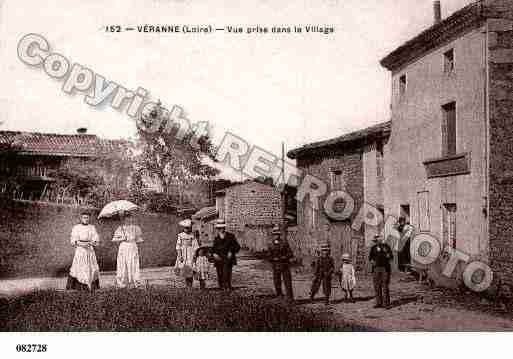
{"x":31,"y":348}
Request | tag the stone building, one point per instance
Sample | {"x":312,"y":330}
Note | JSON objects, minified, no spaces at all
{"x":352,"y":163}
{"x":203,"y":222}
{"x":449,"y":159}
{"x":250,"y":210}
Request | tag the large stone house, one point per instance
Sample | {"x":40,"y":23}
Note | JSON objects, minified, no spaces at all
{"x":449,"y":162}
{"x":445,"y":160}
{"x":352,"y":163}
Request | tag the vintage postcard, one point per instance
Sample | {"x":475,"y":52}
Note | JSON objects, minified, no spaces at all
{"x":327,"y":166}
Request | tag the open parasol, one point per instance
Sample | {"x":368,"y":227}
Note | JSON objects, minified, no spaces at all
{"x":117,"y":207}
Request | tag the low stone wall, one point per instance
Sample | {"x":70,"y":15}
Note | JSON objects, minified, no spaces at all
{"x":34,"y":239}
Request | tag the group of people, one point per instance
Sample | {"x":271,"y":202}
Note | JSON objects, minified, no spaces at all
{"x":194,"y":261}
{"x":380,"y":256}
{"x":84,"y":273}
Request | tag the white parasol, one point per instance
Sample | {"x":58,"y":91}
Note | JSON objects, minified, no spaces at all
{"x":117,"y":207}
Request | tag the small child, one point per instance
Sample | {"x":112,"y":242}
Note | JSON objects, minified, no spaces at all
{"x":323,"y":271}
{"x":347,"y":277}
{"x":202,"y":266}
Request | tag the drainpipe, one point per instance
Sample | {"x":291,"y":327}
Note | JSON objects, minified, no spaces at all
{"x":487,"y":138}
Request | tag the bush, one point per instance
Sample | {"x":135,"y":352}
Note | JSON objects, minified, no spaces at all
{"x":161,"y":202}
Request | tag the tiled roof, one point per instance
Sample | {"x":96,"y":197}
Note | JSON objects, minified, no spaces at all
{"x":205,"y":213}
{"x":437,"y":34}
{"x":381,"y":130}
{"x":34,"y":143}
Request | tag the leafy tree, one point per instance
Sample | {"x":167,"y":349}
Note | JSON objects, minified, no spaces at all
{"x":172,"y":156}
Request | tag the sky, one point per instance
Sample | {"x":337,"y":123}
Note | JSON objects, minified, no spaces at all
{"x":266,"y":88}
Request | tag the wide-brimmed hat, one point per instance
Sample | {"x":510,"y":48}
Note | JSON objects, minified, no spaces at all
{"x":220,"y":223}
{"x":325,"y":247}
{"x":346,"y":257}
{"x":276,"y":230}
{"x":377,"y":237}
{"x":203,"y":248}
{"x":186,"y":223}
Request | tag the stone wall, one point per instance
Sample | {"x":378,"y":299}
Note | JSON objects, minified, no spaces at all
{"x":341,"y":236}
{"x":34,"y":239}
{"x":501,"y":147}
{"x":251,"y":204}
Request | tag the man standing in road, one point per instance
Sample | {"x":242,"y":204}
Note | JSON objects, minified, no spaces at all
{"x":224,"y":250}
{"x":380,"y":257}
{"x":280,"y":255}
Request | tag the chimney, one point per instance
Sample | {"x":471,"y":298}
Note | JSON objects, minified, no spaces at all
{"x":82,"y":131}
{"x":437,"y":9}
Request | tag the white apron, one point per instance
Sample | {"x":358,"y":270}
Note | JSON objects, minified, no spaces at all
{"x":348,"y":276}
{"x":186,"y":246}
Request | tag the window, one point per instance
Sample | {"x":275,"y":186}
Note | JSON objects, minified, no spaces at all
{"x":379,"y":160}
{"x":405,"y":212}
{"x":449,"y":61}
{"x":449,"y":129}
{"x":337,"y":181}
{"x":449,"y":224}
{"x":402,"y":85}
{"x":424,"y":216}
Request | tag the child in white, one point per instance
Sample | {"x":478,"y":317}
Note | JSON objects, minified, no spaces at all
{"x":347,"y":276}
{"x":201,"y":266}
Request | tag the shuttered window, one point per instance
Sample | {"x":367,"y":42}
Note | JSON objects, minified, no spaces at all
{"x":449,"y":224}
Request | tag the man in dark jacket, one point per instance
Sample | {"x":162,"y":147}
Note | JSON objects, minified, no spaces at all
{"x":380,"y":257}
{"x":224,"y":250}
{"x":280,"y":255}
{"x":324,"y":266}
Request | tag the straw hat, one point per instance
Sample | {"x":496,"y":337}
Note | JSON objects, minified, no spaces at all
{"x":276,"y":230}
{"x":325,"y":247}
{"x":186,"y":223}
{"x":346,"y":257}
{"x":220,"y":223}
{"x":377,"y":237}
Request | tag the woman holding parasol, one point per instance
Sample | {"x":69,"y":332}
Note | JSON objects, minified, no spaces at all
{"x":128,"y":234}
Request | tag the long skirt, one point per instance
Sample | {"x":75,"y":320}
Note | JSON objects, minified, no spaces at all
{"x":74,"y":284}
{"x":84,"y":269}
{"x":128,"y":270}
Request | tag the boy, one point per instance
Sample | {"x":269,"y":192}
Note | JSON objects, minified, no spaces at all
{"x":323,"y":270}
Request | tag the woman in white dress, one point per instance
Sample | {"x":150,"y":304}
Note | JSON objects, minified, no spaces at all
{"x":84,"y":273}
{"x":186,"y":246}
{"x":128,"y":266}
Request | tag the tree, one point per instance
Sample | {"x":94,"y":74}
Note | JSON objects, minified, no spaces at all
{"x":172,"y":156}
{"x":95,"y":181}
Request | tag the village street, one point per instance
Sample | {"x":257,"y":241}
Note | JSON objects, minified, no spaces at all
{"x":415,"y":307}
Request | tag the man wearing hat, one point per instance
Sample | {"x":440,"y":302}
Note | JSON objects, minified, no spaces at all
{"x":324,"y":267}
{"x":380,"y":257}
{"x":280,"y":255}
{"x":224,"y":250}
